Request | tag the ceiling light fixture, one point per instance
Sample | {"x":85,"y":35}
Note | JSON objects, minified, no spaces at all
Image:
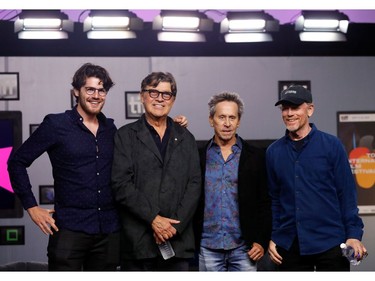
{"x":42,"y":24}
{"x":255,"y":26}
{"x":325,"y":26}
{"x":112,"y":24}
{"x":182,"y":26}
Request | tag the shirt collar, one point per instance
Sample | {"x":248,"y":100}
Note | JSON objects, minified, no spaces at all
{"x":308,"y":137}
{"x":152,"y":129}
{"x":237,"y":144}
{"x":76,"y":116}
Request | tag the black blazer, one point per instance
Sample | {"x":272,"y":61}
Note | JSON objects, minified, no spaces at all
{"x":253,"y":199}
{"x":145,"y":185}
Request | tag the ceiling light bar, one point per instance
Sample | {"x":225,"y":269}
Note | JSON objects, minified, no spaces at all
{"x":112,"y":24}
{"x":45,"y":24}
{"x":34,"y":23}
{"x":323,"y":26}
{"x":244,"y":25}
{"x":253,"y":26}
{"x":247,"y":37}
{"x":316,"y":24}
{"x":182,"y":26}
{"x":184,"y":23}
{"x":181,"y":37}
{"x":322,"y":36}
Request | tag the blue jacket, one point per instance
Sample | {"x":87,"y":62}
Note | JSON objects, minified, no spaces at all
{"x":313,"y":193}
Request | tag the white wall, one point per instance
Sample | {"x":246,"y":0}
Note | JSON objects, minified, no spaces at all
{"x":337,"y":83}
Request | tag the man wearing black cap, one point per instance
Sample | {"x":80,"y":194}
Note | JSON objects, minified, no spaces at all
{"x":314,"y":200}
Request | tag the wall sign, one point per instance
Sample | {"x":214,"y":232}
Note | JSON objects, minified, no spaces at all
{"x":133,"y":106}
{"x":357,"y":132}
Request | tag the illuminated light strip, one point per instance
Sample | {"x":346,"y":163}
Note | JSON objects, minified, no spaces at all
{"x":191,"y":5}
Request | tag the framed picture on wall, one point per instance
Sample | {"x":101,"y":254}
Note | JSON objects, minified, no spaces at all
{"x":356,"y":130}
{"x":9,"y":86}
{"x":33,"y":127}
{"x":133,"y":106}
{"x":46,"y":194}
{"x":285,"y":84}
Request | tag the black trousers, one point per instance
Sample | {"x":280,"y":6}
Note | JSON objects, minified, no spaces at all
{"x":77,"y":251}
{"x":330,"y":260}
{"x":155,"y":264}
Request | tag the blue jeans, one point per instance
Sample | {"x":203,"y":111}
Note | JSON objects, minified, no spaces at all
{"x":225,"y":260}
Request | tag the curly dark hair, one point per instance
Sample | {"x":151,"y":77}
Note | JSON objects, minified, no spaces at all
{"x":91,"y":70}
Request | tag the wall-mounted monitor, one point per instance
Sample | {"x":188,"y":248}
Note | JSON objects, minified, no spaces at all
{"x":10,"y":139}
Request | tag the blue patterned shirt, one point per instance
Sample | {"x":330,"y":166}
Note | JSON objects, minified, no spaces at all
{"x":221,"y":226}
{"x":81,"y":166}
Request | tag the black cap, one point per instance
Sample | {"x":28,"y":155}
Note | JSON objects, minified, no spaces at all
{"x":295,"y":94}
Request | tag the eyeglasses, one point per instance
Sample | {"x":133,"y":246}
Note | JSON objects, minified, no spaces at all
{"x":90,"y":91}
{"x":155,"y":93}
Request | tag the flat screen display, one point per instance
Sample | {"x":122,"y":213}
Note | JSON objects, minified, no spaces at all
{"x":10,"y":139}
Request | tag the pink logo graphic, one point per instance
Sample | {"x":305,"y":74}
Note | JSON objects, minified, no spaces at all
{"x":4,"y":176}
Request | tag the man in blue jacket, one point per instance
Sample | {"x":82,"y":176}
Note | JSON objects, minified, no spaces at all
{"x":314,"y":200}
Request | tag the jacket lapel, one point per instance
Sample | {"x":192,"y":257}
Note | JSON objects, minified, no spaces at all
{"x":143,"y":134}
{"x":175,"y":139}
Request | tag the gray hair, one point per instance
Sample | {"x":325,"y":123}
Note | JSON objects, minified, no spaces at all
{"x":225,"y":96}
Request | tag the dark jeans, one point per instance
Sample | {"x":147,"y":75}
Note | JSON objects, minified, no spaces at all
{"x":330,"y":260}
{"x":155,"y":264}
{"x":76,"y":251}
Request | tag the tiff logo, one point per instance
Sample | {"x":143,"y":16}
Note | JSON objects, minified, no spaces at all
{"x":133,"y":106}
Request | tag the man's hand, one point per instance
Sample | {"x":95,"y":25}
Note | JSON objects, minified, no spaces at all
{"x":274,"y":255}
{"x":256,"y":252}
{"x":163,"y":228}
{"x":359,"y":248}
{"x":42,"y":218}
{"x":182,"y":120}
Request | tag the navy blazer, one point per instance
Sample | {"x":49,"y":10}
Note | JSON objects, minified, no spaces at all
{"x":253,"y":198}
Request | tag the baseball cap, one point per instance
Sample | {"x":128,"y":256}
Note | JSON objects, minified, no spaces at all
{"x":295,"y":94}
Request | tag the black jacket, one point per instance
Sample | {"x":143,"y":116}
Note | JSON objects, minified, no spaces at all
{"x":145,"y":186}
